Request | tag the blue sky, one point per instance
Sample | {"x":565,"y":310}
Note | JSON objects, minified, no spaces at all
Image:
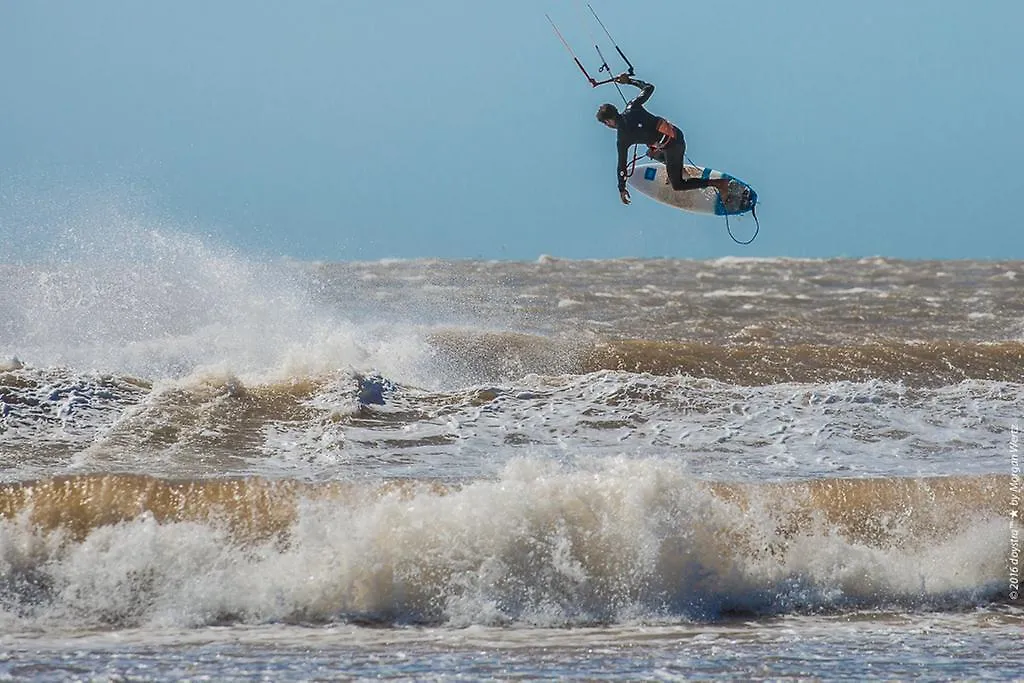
{"x":364,"y":130}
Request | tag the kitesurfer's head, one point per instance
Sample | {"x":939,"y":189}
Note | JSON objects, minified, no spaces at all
{"x":608,"y":115}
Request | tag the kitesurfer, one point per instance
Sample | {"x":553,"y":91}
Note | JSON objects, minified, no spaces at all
{"x":636,"y":125}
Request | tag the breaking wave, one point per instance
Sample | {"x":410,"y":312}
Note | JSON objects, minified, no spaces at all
{"x":616,"y":540}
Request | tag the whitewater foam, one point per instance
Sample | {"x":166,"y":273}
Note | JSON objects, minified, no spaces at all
{"x":606,"y":541}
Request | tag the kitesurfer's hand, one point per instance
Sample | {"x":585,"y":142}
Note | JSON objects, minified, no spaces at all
{"x":624,"y":195}
{"x":622,"y":78}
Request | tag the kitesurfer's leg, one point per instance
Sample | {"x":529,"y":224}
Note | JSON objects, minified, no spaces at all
{"x":720,"y":184}
{"x":673,"y":155}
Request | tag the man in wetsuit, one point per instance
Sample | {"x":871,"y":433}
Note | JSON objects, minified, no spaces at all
{"x":636,"y":125}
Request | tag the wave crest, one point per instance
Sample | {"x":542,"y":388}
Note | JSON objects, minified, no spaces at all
{"x":614,"y":541}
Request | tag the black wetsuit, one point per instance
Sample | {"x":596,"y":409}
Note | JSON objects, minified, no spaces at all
{"x":636,"y":125}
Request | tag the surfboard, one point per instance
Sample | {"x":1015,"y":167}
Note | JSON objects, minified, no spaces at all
{"x":652,"y":180}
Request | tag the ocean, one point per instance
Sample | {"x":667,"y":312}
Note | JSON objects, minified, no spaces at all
{"x":222,"y":468}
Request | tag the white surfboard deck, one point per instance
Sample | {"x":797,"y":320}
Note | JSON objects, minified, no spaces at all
{"x":652,"y":180}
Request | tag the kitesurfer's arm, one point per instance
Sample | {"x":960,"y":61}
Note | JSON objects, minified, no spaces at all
{"x":623,"y":149}
{"x":646,"y":89}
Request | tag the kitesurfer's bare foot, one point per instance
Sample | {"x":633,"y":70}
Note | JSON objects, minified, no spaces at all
{"x":722,"y":185}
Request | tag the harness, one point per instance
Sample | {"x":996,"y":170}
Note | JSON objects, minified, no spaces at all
{"x":668,"y":135}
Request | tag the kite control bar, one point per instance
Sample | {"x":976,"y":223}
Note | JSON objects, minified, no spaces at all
{"x":621,"y":54}
{"x":604,"y":63}
{"x":604,"y":68}
{"x":574,"y":57}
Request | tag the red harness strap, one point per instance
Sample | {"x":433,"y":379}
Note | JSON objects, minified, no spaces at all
{"x":668,"y":134}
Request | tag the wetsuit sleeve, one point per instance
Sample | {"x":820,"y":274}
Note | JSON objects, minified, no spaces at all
{"x":646,"y":90}
{"x":621,"y":172}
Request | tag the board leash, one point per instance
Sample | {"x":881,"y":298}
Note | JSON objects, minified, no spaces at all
{"x":757,"y":228}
